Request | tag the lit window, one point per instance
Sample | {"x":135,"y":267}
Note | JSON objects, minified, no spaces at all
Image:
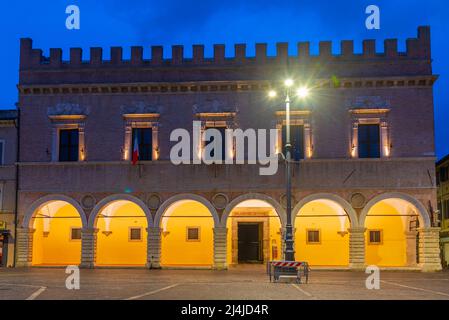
{"x":135,"y":234}
{"x":313,"y":237}
{"x":375,"y":237}
{"x":193,"y":234}
{"x":75,"y":234}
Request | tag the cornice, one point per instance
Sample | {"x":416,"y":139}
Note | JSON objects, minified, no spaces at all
{"x":219,"y":86}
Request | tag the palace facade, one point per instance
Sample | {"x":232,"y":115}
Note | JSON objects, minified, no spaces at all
{"x":363,"y":143}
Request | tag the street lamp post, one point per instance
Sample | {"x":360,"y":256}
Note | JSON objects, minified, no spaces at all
{"x":289,"y":253}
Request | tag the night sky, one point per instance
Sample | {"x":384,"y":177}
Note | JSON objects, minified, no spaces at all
{"x":147,"y":22}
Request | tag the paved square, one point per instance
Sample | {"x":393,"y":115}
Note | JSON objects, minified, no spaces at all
{"x":247,"y":282}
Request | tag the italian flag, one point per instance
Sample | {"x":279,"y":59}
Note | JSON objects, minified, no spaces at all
{"x":135,"y":150}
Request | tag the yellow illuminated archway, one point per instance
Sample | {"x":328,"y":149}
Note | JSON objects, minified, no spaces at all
{"x":122,"y":235}
{"x":387,"y":225}
{"x":57,"y":235}
{"x":187,"y":235}
{"x":260,"y":214}
{"x":321,"y":234}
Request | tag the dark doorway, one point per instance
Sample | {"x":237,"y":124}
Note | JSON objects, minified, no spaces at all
{"x":250,"y":243}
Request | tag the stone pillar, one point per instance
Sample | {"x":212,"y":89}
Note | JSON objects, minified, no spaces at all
{"x":357,"y":248}
{"x":410,"y":238}
{"x":282,"y":246}
{"x":24,"y":243}
{"x":429,"y":249}
{"x":88,"y":247}
{"x":154,"y":248}
{"x":220,"y":248}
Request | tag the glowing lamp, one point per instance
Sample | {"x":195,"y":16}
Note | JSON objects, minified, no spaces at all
{"x":303,"y":92}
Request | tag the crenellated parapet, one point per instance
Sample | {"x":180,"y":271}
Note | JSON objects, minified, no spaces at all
{"x":417,"y":50}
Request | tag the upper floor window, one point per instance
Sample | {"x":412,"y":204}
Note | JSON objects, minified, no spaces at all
{"x":67,"y":137}
{"x":296,"y":141}
{"x":68,"y":145}
{"x":144,"y":139}
{"x":141,"y":129}
{"x":444,"y":174}
{"x":369,"y":140}
{"x":300,"y":134}
{"x":222,"y":147}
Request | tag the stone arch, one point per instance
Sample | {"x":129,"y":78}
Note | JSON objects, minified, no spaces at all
{"x":39,"y":203}
{"x":422,"y":211}
{"x":254,"y":196}
{"x":326,"y":196}
{"x":119,"y":197}
{"x":185,"y":196}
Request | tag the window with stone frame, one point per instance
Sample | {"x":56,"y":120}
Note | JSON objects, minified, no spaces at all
{"x":313,"y":236}
{"x":193,"y":234}
{"x":144,"y":127}
{"x":370,"y":136}
{"x":75,"y":234}
{"x":300,"y":134}
{"x":219,"y":122}
{"x":68,"y":138}
{"x":135,"y":234}
{"x":375,"y":237}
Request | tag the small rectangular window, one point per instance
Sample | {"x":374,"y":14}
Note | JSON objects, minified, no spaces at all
{"x":375,"y":237}
{"x":369,"y":141}
{"x":75,"y":234}
{"x":193,"y":234}
{"x":313,"y":237}
{"x":68,"y":145}
{"x":135,"y":234}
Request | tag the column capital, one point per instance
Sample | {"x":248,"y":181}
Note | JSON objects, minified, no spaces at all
{"x":89,"y":230}
{"x":25,"y":230}
{"x":357,"y":230}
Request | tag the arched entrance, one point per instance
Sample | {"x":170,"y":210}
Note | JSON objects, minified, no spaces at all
{"x":57,"y":223}
{"x":122,"y":232}
{"x":322,"y":226}
{"x":392,"y":223}
{"x":187,"y":232}
{"x":254,"y":230}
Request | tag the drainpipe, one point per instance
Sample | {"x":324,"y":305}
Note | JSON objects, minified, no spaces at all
{"x":16,"y":218}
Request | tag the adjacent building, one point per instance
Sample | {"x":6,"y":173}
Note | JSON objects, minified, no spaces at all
{"x":443,"y":206}
{"x":363,"y":144}
{"x":8,"y":156}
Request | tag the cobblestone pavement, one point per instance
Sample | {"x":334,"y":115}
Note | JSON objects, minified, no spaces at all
{"x":235,"y":284}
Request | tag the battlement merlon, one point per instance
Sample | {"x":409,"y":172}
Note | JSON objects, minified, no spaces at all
{"x":417,"y":48}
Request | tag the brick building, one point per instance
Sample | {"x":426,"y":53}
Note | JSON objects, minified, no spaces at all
{"x":443,"y":206}
{"x":8,"y":157}
{"x":363,"y":179}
